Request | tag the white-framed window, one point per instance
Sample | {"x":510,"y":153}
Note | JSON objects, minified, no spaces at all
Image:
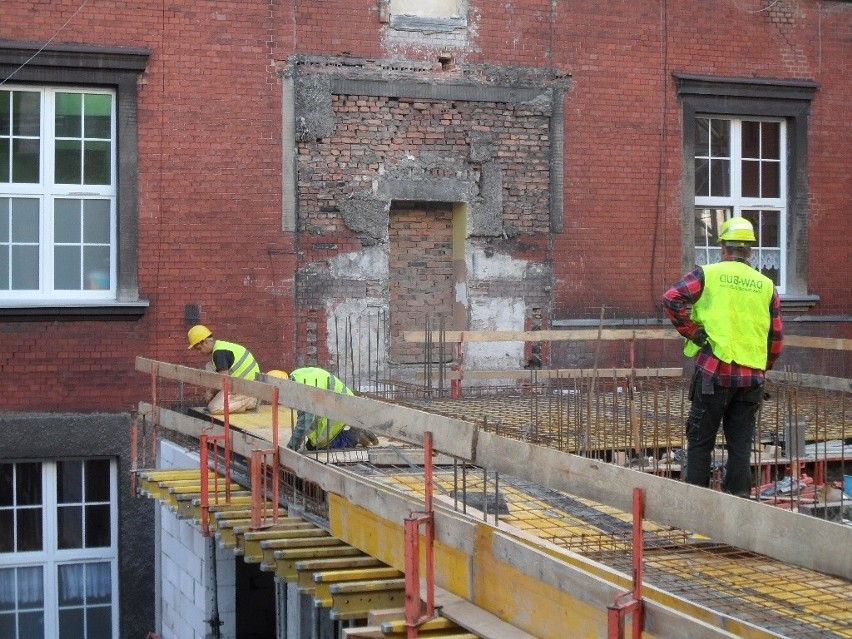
{"x":740,"y":170}
{"x":58,"y":549}
{"x":58,"y":193}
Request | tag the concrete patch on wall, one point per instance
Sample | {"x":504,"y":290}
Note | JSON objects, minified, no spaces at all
{"x":486,"y":264}
{"x":366,"y":216}
{"x":314,"y":115}
{"x":495,"y":314}
{"x":368,"y":264}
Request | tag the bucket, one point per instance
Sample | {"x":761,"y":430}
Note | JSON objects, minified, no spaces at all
{"x":847,"y":484}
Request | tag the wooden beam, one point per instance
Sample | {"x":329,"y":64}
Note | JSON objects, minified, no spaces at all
{"x":811,"y":381}
{"x":554,"y":373}
{"x":580,"y":334}
{"x":451,"y":436}
{"x":830,"y":343}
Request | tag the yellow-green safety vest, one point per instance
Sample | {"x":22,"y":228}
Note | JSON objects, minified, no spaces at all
{"x":244,"y":365}
{"x":734,"y":311}
{"x":322,"y":432}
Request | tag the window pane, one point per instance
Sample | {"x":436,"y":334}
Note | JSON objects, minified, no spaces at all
{"x":96,"y":267}
{"x":71,"y":624}
{"x":26,"y":113}
{"x":66,"y":221}
{"x":25,"y":268}
{"x":750,"y":178}
{"x":770,"y":182}
{"x":7,"y":625}
{"x":66,"y":273}
{"x":769,"y":263}
{"x":32,"y":625}
{"x":751,"y":139}
{"x":702,"y":137}
{"x":72,"y":584}
{"x":98,"y":583}
{"x":702,"y":177}
{"x":69,"y":527}
{"x":5,"y":159}
{"x":771,"y":140}
{"x":25,"y":161}
{"x":97,"y":162}
{"x":68,"y":118}
{"x":96,"y":226}
{"x":6,"y":484}
{"x":720,"y":138}
{"x":69,"y":481}
{"x":97,"y":480}
{"x":5,"y":112}
{"x":720,"y":178}
{"x":4,"y":268}
{"x":7,"y":536}
{"x":99,"y":622}
{"x":25,"y":225}
{"x":29,"y":530}
{"x":28,"y":484}
{"x":68,"y":156}
{"x":97,"y":526}
{"x":98,"y":116}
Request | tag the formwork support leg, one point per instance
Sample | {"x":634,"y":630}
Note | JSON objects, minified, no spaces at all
{"x":630,"y":603}
{"x":413,"y":616}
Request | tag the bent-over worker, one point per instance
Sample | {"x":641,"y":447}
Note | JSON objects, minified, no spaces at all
{"x":226,"y":358}
{"x":319,"y":431}
{"x":730,"y":315}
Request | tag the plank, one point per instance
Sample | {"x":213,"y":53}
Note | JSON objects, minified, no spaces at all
{"x":555,"y":373}
{"x":558,"y":335}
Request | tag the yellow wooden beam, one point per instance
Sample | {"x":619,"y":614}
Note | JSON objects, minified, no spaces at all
{"x":355,"y":600}
{"x":259,"y":546}
{"x":285,"y":560}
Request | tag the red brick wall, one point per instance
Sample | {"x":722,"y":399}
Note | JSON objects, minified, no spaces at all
{"x":420,"y":280}
{"x":210,"y":160}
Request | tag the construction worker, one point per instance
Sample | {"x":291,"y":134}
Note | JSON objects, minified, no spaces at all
{"x":318,"y":431}
{"x":730,"y":315}
{"x":226,"y":358}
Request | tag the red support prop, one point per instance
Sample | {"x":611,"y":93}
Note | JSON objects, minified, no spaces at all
{"x":630,"y":603}
{"x":413,"y":606}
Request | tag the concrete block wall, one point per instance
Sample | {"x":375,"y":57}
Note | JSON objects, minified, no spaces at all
{"x":186,"y":575}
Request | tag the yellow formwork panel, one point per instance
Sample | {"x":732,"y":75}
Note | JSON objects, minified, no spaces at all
{"x":385,"y":540}
{"x":555,"y":610}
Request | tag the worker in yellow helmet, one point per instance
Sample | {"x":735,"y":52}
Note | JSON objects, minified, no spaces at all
{"x":730,"y":315}
{"x":317,"y":432}
{"x":226,"y":358}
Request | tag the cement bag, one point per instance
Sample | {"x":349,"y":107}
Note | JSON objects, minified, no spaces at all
{"x":236,"y":403}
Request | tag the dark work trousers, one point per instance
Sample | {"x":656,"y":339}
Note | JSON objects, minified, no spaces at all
{"x":736,"y":410}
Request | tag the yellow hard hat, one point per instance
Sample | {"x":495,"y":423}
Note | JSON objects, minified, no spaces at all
{"x":737,"y":230}
{"x":197,"y":334}
{"x":277,"y":373}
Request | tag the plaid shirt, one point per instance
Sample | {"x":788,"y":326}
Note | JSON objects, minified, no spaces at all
{"x":677,"y":303}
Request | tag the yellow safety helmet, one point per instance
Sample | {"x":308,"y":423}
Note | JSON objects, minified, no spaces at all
{"x":197,"y":334}
{"x":278,"y":373}
{"x":737,"y":231}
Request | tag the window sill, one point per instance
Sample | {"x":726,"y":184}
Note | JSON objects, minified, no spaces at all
{"x":791,"y":304}
{"x":54,"y":310}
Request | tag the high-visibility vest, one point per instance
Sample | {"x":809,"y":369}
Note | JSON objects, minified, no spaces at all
{"x":734,"y":311}
{"x":244,"y":365}
{"x":322,"y":432}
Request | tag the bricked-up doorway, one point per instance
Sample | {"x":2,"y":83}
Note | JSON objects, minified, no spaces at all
{"x":422,"y":274}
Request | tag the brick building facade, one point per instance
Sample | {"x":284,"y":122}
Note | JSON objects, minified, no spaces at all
{"x":289,"y":173}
